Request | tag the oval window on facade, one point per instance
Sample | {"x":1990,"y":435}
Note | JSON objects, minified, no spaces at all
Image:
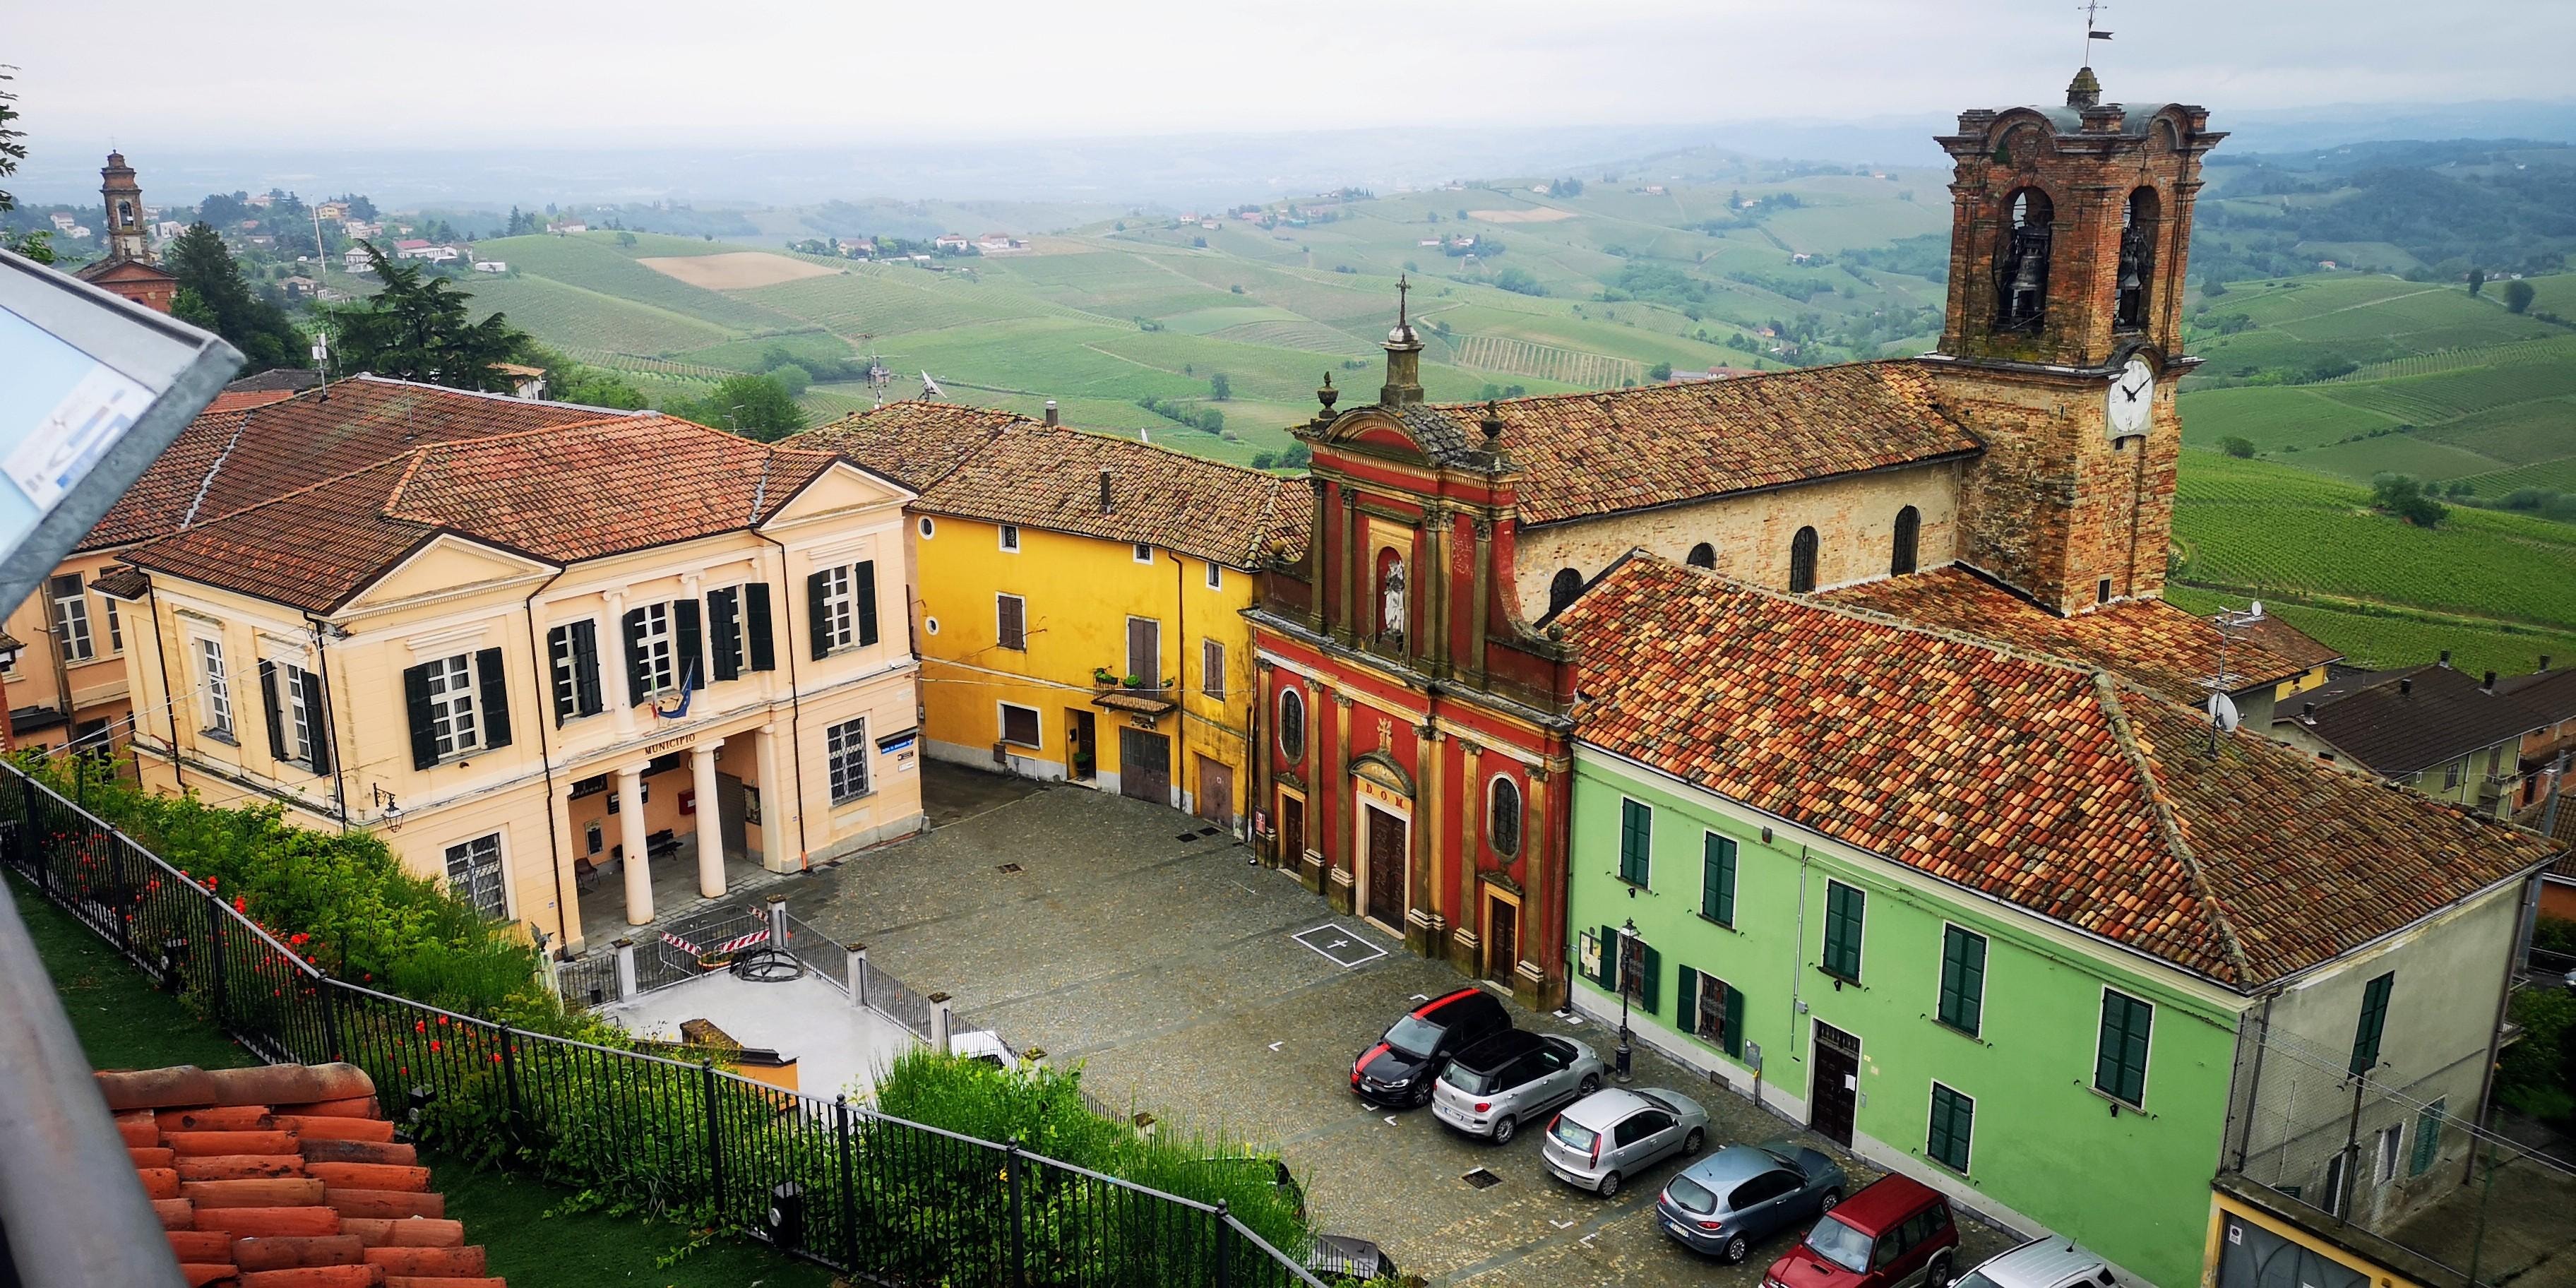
{"x":1503,"y":817}
{"x":928,"y":526}
{"x":1292,"y":725}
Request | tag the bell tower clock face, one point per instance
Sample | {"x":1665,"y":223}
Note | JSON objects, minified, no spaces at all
{"x":2132,"y":399}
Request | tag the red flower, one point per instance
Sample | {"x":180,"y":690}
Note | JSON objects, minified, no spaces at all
{"x":433,"y":1046}
{"x":496,"y":1057}
{"x":297,"y":939}
{"x":420,"y":1026}
{"x":210,"y":883}
{"x":240,"y":904}
{"x":442,"y":1021}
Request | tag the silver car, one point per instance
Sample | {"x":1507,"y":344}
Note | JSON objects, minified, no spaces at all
{"x":1606,"y":1135}
{"x":2043,"y":1263}
{"x":1493,"y":1087}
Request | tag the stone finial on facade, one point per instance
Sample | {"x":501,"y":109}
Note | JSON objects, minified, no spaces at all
{"x":1328,"y":396}
{"x":2085,"y":90}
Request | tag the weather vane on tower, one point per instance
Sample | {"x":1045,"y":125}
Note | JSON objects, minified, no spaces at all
{"x":2092,"y":14}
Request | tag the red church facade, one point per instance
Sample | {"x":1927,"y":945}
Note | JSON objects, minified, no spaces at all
{"x":1416,"y":728}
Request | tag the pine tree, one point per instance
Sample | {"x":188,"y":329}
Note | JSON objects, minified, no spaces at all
{"x":418,"y":328}
{"x":217,"y":298}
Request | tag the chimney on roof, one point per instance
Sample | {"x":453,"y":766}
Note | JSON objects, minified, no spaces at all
{"x":2489,"y":685}
{"x":2446,"y":657}
{"x":1104,"y":489}
{"x":2308,"y":712}
{"x":2544,"y":661}
{"x":1052,"y":419}
{"x":2406,"y":687}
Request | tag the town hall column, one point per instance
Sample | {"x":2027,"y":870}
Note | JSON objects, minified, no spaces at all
{"x":630,"y":835}
{"x":776,"y":796}
{"x":711,"y":855}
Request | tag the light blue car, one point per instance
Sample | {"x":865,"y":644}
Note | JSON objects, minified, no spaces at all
{"x":1727,"y":1202}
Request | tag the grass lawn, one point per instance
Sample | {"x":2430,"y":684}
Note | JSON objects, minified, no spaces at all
{"x":124,"y":1023}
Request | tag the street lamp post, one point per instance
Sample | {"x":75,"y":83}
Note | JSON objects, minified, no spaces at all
{"x":1624,"y":1053}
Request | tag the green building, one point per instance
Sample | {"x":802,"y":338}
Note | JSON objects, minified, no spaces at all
{"x":2021,"y":928}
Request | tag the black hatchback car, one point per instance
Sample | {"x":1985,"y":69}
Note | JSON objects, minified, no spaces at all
{"x":1399,"y":1068}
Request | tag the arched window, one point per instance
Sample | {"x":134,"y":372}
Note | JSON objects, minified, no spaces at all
{"x":1390,"y":595}
{"x":2137,"y":258}
{"x":1909,"y":534}
{"x":1503,"y":817}
{"x":1802,"y":561}
{"x":1703,"y":555}
{"x":1561,"y":590}
{"x":2021,"y":262}
{"x":1292,"y":726}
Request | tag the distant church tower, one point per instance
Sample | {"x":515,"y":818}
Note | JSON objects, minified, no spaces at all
{"x":129,"y":269}
{"x":2070,"y":230}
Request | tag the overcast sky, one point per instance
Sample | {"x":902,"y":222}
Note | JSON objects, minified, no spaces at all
{"x":768,"y":72}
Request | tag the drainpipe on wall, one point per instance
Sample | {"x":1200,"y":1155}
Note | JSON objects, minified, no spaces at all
{"x":795,"y":700}
{"x":330,"y":726}
{"x":539,"y":662}
{"x":169,"y":704}
{"x":1181,"y":678}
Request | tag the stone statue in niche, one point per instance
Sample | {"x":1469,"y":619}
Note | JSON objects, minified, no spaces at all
{"x":1390,"y":594}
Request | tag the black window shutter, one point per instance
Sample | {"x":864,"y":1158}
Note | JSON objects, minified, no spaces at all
{"x":863,"y":588}
{"x":755,"y":605}
{"x":1610,"y":958}
{"x":492,"y":689}
{"x":316,"y":713}
{"x":816,"y":588}
{"x":1686,"y":1015}
{"x":424,"y":740}
{"x":724,"y":621}
{"x":638,"y":684}
{"x":691,"y":640}
{"x":585,"y":667}
{"x":1734,"y":1022}
{"x":1650,"y":972}
{"x":276,"y":710}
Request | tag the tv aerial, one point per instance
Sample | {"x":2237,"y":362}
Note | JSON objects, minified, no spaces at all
{"x":930,"y":388}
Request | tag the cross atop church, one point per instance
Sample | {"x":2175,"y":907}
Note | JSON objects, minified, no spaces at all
{"x":1403,"y":285}
{"x":2092,"y":16}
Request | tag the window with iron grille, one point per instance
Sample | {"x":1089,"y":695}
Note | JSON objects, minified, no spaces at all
{"x":1953,"y":1121}
{"x":1717,"y":878}
{"x":474,"y":873}
{"x":1503,"y":817}
{"x":1636,"y":841}
{"x":1963,"y":979}
{"x":71,"y":619}
{"x":1713,"y":1011}
{"x":845,"y":749}
{"x":1845,"y":908}
{"x":1292,"y":725}
{"x":2120,"y":1057}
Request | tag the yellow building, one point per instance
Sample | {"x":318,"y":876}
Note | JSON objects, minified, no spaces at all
{"x":539,"y":649}
{"x":1080,"y":598}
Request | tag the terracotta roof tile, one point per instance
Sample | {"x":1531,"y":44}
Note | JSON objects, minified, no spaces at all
{"x":2149,"y":643}
{"x":231,"y":459}
{"x":917,"y":443}
{"x":1019,"y":471}
{"x":286,"y":1174}
{"x":537,"y":492}
{"x":2018,"y":776}
{"x":1625,"y":449}
{"x":247,"y":398}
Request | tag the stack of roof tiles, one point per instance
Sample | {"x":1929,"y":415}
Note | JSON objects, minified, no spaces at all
{"x":287,"y":1176}
{"x":2051,"y":785}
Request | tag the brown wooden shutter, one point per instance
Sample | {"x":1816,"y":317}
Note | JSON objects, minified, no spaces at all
{"x":1145,"y":650}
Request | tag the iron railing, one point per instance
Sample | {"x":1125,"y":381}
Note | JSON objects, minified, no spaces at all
{"x":880,"y":1199}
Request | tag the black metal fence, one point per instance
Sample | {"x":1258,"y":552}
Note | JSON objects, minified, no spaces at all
{"x":880,"y":1199}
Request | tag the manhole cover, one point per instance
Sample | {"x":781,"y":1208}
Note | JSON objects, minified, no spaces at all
{"x":1011,"y":868}
{"x":1186,"y":836}
{"x":1346,"y":948}
{"x":1208,"y":831}
{"x":1482,"y":1179}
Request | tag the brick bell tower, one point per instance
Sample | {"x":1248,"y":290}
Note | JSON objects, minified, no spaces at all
{"x":128,"y":235}
{"x":2069,"y":236}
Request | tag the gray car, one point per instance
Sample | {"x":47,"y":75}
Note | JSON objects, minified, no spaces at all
{"x":1603,"y":1137}
{"x":1513,"y":1077}
{"x":2043,"y":1263}
{"x":1734,"y":1198}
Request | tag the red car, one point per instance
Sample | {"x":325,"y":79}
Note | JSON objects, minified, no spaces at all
{"x":1895,"y":1231}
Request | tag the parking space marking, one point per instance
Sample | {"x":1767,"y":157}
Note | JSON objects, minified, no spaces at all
{"x":1342,"y":947}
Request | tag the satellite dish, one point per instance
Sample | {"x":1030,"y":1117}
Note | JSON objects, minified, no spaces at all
{"x":2223,"y":715}
{"x":930,"y":388}
{"x":2258,"y":609}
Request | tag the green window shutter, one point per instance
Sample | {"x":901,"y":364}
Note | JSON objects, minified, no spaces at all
{"x":724,"y":622}
{"x":863,"y":586}
{"x":2374,"y":1021}
{"x":321,"y":717}
{"x":1717,"y":879}
{"x":2428,"y":1139}
{"x":688,"y":641}
{"x":1686,"y":1003}
{"x":1844,"y":912}
{"x":755,"y":611}
{"x":638,"y":684}
{"x":276,"y":709}
{"x":817,"y":588}
{"x":1953,"y":1122}
{"x":585,"y":667}
{"x":1963,"y":979}
{"x":424,"y":739}
{"x":1732,"y":1036}
{"x":1609,"y":976}
{"x":2120,"y":1065}
{"x":1650,"y":972}
{"x":492,"y":689}
{"x":1636,"y":837}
